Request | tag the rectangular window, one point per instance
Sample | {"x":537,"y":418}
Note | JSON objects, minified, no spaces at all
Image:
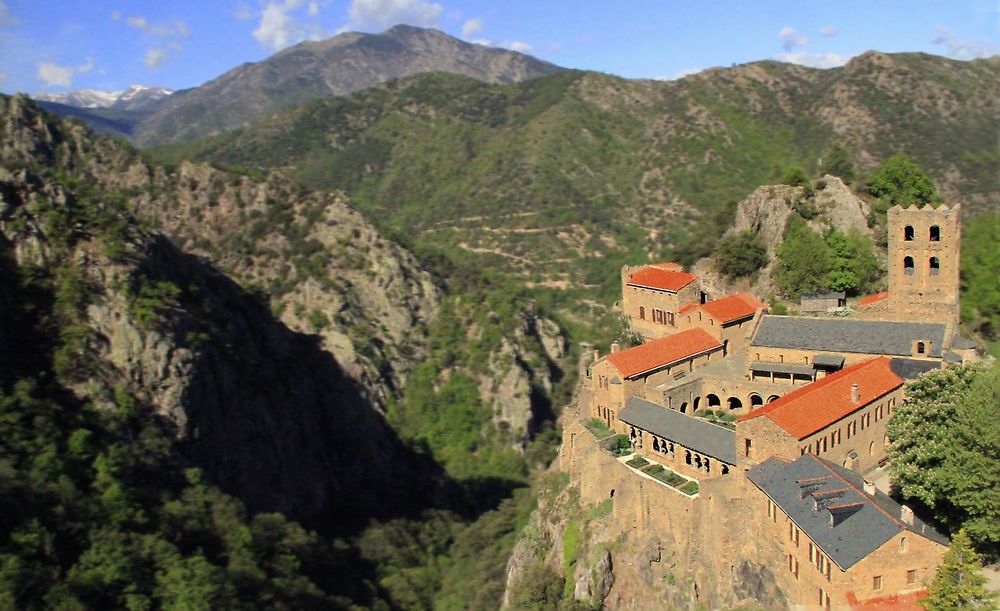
{"x":796,"y":537}
{"x":670,"y":319}
{"x":877,"y":582}
{"x":820,"y":596}
{"x":838,"y":436}
{"x":911,"y":577}
{"x":810,"y":551}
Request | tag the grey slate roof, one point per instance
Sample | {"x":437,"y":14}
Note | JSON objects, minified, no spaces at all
{"x":960,"y":343}
{"x":952,"y":357}
{"x":695,"y":433}
{"x":840,"y":335}
{"x":911,"y":368}
{"x":782,"y":368}
{"x":829,"y":360}
{"x":810,"y":490}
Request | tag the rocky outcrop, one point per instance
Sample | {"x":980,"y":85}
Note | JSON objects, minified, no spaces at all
{"x":262,"y":409}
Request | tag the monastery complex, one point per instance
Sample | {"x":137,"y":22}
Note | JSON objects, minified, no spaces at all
{"x":776,"y":420}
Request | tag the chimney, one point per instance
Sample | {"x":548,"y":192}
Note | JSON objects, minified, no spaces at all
{"x":906,"y":515}
{"x":615,"y":347}
{"x":855,"y":393}
{"x":869,"y":487}
{"x":597,"y":355}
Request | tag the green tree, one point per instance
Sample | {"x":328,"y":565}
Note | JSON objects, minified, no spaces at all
{"x":980,"y":281}
{"x":959,"y":582}
{"x":945,"y":450}
{"x":900,"y":181}
{"x":837,"y":162}
{"x":795,"y":176}
{"x":803,"y":259}
{"x":853,"y":265}
{"x":741,"y":255}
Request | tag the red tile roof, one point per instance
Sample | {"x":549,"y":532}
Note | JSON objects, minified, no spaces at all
{"x":733,"y":307}
{"x":687,"y":308}
{"x":661,"y":352}
{"x":870,"y":299}
{"x":813,"y":407}
{"x":669,"y":266}
{"x":656,"y":277}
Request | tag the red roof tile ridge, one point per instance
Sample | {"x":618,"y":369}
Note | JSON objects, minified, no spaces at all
{"x":818,"y":385}
{"x":661,"y":352}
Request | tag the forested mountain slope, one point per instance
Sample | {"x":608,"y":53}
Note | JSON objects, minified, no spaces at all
{"x":560,"y":179}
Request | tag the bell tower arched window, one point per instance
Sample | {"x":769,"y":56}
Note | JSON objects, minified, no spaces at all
{"x":935,"y":233}
{"x":908,"y":266}
{"x":908,"y":233}
{"x":935,"y":265}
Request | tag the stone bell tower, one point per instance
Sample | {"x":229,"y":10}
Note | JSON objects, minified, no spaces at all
{"x":924,"y":246}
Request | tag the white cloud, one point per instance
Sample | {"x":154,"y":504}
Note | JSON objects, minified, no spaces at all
{"x":962,"y":49}
{"x":154,"y":58}
{"x":790,"y":39}
{"x":55,"y":76}
{"x":386,"y":13}
{"x":471,"y":27}
{"x":85,"y":66}
{"x":815,"y":60}
{"x":829,"y":31}
{"x":517,"y":45}
{"x":277,"y":28}
{"x":177,"y":28}
{"x":313,"y":9}
{"x":6,"y":19}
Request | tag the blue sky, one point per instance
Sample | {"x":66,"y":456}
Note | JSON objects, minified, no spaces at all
{"x":57,"y":45}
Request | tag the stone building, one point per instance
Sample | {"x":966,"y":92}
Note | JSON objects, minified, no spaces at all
{"x":626,"y":373}
{"x":729,"y":319}
{"x":692,"y":446}
{"x":822,"y":302}
{"x":799,"y":350}
{"x":841,"y":418}
{"x":833,"y":539}
{"x":653,"y":295}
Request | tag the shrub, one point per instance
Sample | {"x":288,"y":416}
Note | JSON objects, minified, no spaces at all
{"x":741,"y":255}
{"x":638,"y":462}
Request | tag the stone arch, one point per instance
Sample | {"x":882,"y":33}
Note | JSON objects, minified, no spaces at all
{"x":631,"y":432}
{"x":756,"y":400}
{"x":871,"y":448}
{"x":697,"y":404}
{"x":734,"y":403}
{"x":921,"y":348}
{"x":908,"y":233}
{"x":934,"y":234}
{"x":713,"y":400}
{"x":612,"y":495}
{"x":935,"y":266}
{"x":772,"y":398}
{"x":725,"y":469}
{"x":697,"y":461}
{"x":903,"y":545}
{"x":908,"y":265}
{"x":642,"y":313}
{"x":687,"y":457}
{"x":656,"y":444}
{"x":684,"y":407}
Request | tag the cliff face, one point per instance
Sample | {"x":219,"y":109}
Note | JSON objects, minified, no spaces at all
{"x":615,"y":540}
{"x":270,"y":415}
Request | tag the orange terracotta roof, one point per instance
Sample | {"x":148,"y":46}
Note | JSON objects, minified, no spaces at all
{"x":687,"y":308}
{"x":733,"y":307}
{"x":668,"y":266}
{"x":661,"y":352}
{"x":870,"y":299}
{"x":654,"y":277}
{"x":813,"y":407}
{"x":897,"y":602}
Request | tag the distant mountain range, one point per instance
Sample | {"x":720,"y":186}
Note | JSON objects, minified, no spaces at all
{"x":136,"y":97}
{"x":316,"y":69}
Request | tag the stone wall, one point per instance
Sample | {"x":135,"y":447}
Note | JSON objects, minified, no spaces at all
{"x":920,"y":289}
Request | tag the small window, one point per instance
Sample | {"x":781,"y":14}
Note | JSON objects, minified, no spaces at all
{"x":935,"y":265}
{"x":642,"y":313}
{"x":911,"y":577}
{"x":877,"y":582}
{"x":921,"y":348}
{"x":935,"y":233}
{"x":908,"y":233}
{"x":908,"y":266}
{"x":903,"y":545}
